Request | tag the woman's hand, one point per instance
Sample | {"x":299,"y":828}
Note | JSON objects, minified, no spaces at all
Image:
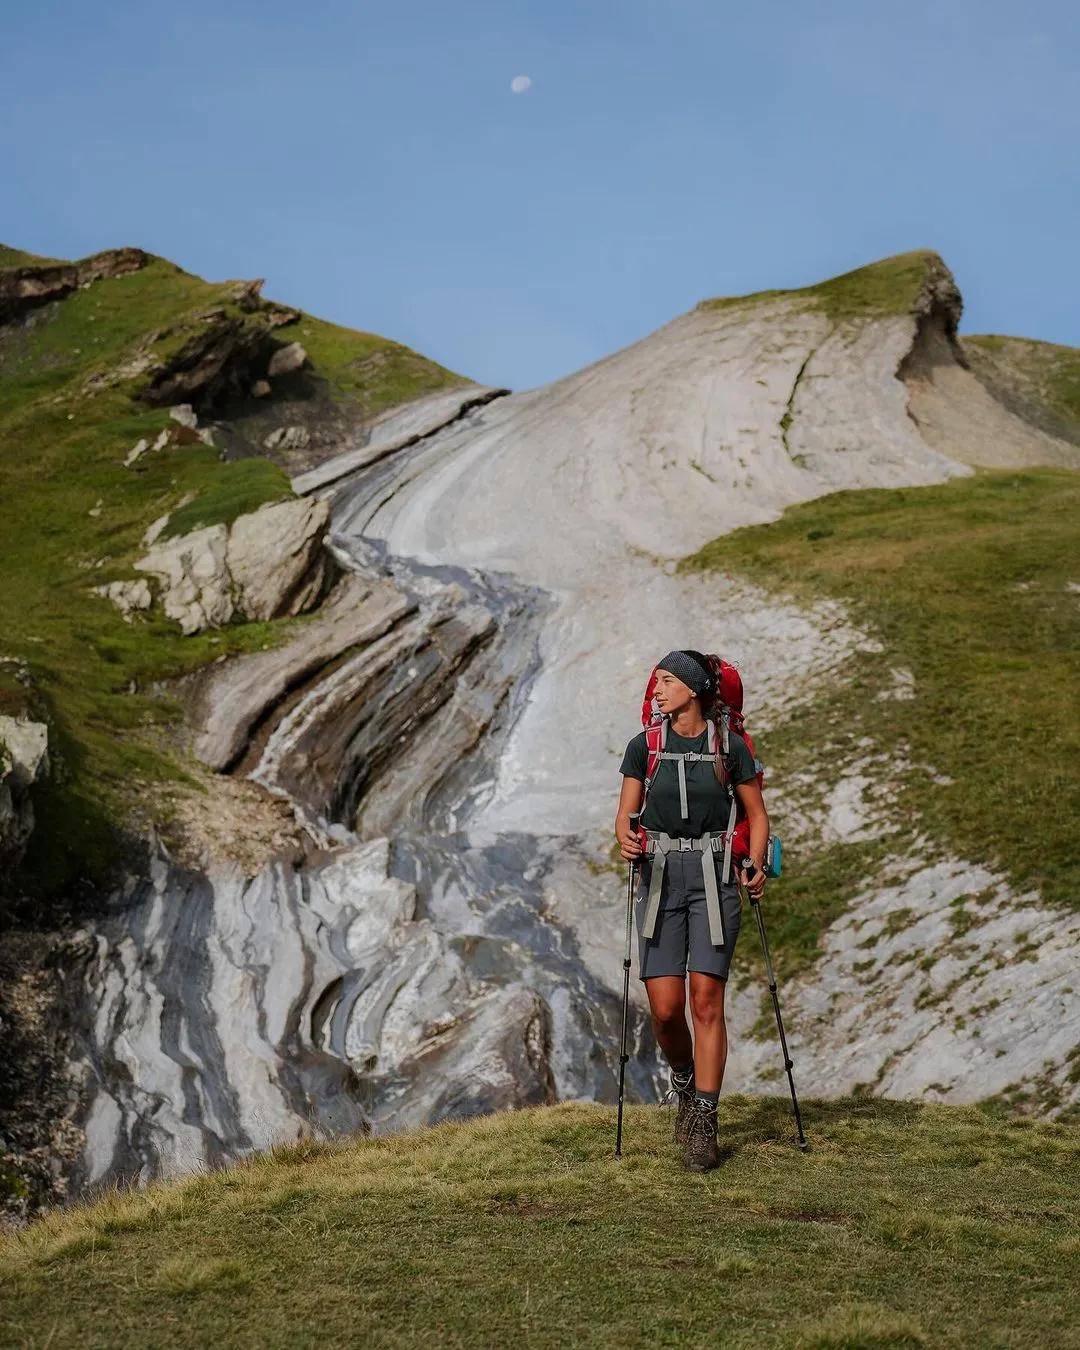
{"x":629,"y":843}
{"x":753,"y":878}
{"x":630,"y":799}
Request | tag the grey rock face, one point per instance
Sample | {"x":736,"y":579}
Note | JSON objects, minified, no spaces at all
{"x":236,"y":696}
{"x":398,"y":430}
{"x":224,"y":1013}
{"x":939,"y":983}
{"x":24,"y":761}
{"x":275,"y":557}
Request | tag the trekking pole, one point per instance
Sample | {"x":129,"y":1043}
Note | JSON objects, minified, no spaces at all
{"x":755,"y":905}
{"x":623,"y":1056}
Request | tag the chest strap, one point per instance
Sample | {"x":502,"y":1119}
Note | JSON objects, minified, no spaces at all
{"x":684,"y":809}
{"x":658,"y":844}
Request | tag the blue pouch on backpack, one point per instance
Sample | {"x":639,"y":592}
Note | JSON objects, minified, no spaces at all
{"x":774,"y":855}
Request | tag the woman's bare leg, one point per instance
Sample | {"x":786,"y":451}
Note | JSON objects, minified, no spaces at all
{"x":710,"y":1030}
{"x":667,"y":1003}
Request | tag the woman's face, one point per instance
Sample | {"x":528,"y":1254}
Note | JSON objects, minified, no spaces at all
{"x":670,"y":693}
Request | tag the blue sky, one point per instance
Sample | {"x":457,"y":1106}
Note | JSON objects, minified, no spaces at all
{"x":373,"y":164}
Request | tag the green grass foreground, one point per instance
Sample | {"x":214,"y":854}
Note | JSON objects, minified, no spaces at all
{"x":969,"y":586}
{"x":905,"y":1225}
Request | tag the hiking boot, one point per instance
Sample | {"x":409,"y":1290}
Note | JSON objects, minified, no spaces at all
{"x":700,"y":1150}
{"x":681,"y":1091}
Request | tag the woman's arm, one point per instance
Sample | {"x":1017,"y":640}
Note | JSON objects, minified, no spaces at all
{"x":633,"y":789}
{"x":754,"y":805}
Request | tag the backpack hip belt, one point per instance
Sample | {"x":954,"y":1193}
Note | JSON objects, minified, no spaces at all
{"x":659,"y":844}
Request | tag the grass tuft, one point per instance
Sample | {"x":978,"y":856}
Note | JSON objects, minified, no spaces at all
{"x":862,"y":1326}
{"x":186,"y":1275}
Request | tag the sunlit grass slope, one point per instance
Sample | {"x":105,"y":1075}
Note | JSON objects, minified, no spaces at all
{"x":904,"y":1225}
{"x":888,"y":286}
{"x":972,"y":588}
{"x":72,"y":516}
{"x":1041,"y":378}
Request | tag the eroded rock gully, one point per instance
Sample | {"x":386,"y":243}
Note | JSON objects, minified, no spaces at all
{"x":373,"y":984}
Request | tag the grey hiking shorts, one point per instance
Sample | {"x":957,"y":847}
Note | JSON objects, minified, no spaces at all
{"x":681,"y":940}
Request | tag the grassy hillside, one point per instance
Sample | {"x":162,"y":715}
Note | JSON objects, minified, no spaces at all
{"x":905,"y":1225}
{"x":1040,"y":379}
{"x":73,"y":517}
{"x":971,"y":588}
{"x":889,"y":286}
{"x":17,"y":257}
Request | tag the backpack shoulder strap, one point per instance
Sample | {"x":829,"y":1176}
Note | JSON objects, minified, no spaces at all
{"x":655,"y":740}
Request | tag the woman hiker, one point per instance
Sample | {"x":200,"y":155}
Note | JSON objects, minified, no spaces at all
{"x":699,"y":805}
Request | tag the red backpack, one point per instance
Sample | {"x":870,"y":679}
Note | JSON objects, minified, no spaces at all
{"x":727,"y":710}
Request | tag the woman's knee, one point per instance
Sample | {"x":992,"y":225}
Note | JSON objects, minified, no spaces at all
{"x":668,"y":1008}
{"x":707,"y":1001}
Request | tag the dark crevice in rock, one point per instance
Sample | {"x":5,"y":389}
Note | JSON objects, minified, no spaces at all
{"x":789,"y":410}
{"x":937,"y":315}
{"x":221,"y":362}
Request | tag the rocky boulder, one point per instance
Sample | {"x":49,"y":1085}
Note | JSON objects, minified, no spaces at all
{"x":24,"y":761}
{"x":193,"y":578}
{"x":288,"y":438}
{"x":286,"y":359}
{"x":276,"y":559}
{"x":268,"y":564}
{"x":127,"y":596}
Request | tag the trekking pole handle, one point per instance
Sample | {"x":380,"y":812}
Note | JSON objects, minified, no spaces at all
{"x":635,"y":825}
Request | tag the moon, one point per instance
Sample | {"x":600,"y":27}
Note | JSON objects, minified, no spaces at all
{"x":520,"y":83}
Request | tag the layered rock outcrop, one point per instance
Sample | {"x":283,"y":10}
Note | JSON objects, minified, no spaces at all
{"x":24,"y":288}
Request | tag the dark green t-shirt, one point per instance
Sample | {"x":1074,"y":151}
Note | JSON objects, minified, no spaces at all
{"x":708,"y":801}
